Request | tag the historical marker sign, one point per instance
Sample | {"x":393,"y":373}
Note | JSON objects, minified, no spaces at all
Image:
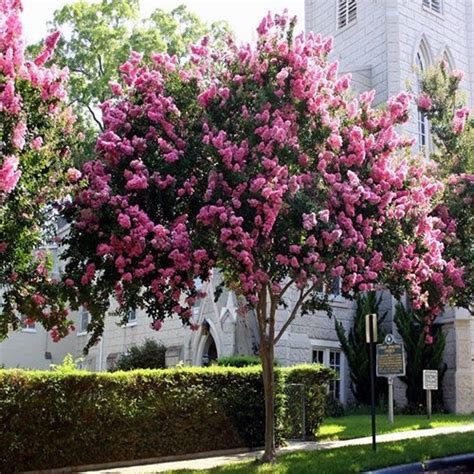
{"x":390,"y":360}
{"x":430,"y":380}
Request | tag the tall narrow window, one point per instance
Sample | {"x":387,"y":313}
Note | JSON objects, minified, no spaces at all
{"x":335,"y":364}
{"x":132,"y":316}
{"x":346,"y":12}
{"x":83,"y":320}
{"x":421,"y":63}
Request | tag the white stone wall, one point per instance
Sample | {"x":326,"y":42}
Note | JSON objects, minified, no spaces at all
{"x":29,"y":349}
{"x":384,"y":40}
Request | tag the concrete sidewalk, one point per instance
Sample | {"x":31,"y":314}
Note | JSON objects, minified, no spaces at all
{"x":206,"y":463}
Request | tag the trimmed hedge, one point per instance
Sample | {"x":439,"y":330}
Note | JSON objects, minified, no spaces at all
{"x":241,"y":361}
{"x":314,"y":378}
{"x":53,"y":419}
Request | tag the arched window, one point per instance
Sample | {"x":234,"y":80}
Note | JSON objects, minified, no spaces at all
{"x":448,"y":59}
{"x":422,"y":63}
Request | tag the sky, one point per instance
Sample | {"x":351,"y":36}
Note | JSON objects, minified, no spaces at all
{"x":242,"y":15}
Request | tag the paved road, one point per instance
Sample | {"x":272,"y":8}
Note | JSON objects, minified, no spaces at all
{"x":206,"y":463}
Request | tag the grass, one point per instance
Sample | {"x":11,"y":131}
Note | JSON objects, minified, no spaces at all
{"x":354,"y":458}
{"x":358,"y":426}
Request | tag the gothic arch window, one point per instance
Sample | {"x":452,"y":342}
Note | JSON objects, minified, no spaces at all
{"x":448,"y":59}
{"x":422,"y":62}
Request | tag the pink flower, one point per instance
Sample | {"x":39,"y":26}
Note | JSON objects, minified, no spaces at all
{"x":38,"y":299}
{"x":116,"y":88}
{"x":424,"y":102}
{"x":19,"y":133}
{"x":309,"y":221}
{"x":124,"y":221}
{"x":156,"y":324}
{"x":73,"y":175}
{"x":37,"y":143}
{"x":459,"y":121}
{"x":9,"y":174}
{"x":324,"y":215}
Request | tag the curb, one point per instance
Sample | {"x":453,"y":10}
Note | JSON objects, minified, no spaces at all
{"x":145,"y":461}
{"x":432,"y":464}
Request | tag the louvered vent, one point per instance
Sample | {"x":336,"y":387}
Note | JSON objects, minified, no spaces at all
{"x":434,"y":5}
{"x":346,"y":12}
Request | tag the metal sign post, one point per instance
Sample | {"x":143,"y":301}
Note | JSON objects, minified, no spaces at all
{"x":390,"y":399}
{"x":390,"y":364}
{"x":430,"y":382}
{"x":371,"y":338}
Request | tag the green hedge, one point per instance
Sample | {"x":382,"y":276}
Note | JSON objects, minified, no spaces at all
{"x":312,"y":380}
{"x":241,"y":361}
{"x":53,"y":419}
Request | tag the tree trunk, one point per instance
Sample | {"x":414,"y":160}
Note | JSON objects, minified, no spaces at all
{"x":266,"y":354}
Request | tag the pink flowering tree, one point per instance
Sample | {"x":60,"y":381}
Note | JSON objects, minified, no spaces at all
{"x":33,"y":155}
{"x":256,"y":162}
{"x":452,"y":129}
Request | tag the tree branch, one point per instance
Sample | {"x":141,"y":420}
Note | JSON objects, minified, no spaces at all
{"x":294,"y":312}
{"x":81,"y":71}
{"x":101,"y":67}
{"x":96,"y":120}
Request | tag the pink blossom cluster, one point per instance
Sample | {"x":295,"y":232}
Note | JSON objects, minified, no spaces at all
{"x":141,"y":227}
{"x":264,"y":167}
{"x":14,"y":68}
{"x":32,"y":114}
{"x":459,"y":121}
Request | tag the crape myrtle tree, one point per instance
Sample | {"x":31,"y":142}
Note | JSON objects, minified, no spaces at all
{"x":452,"y":128}
{"x":257,"y":162}
{"x":35,"y":134}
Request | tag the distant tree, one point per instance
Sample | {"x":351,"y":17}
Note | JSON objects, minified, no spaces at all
{"x":99,"y":37}
{"x":149,"y":355}
{"x":356,"y":349}
{"x":419,"y":355}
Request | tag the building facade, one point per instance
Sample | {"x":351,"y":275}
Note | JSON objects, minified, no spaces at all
{"x":383,"y":44}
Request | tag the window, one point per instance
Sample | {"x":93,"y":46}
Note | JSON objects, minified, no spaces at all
{"x":132,"y":316}
{"x":83,"y":321}
{"x":335,"y":287}
{"x":27,"y":325}
{"x":335,"y":364}
{"x":433,"y":5}
{"x":330,"y":357}
{"x":421,"y":63}
{"x":318,"y":356}
{"x":346,"y":13}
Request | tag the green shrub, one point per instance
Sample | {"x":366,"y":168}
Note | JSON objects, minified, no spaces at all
{"x":334,"y":408}
{"x":314,"y":378}
{"x":149,"y":355}
{"x":55,"y":419}
{"x":241,"y":361}
{"x":238,"y":361}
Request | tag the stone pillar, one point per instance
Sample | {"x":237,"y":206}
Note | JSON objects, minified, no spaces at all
{"x":464,"y":364}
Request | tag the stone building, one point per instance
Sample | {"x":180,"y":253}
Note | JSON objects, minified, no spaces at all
{"x":382,"y":43}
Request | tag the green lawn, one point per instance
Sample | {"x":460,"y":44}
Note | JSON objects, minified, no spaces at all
{"x":358,"y":426}
{"x":355,"y":458}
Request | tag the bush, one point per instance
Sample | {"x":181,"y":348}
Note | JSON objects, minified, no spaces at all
{"x":150,"y":355}
{"x":334,"y":408}
{"x":241,"y":361}
{"x":314,"y":379}
{"x":54,"y":419}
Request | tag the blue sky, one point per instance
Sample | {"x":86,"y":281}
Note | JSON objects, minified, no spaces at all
{"x":242,"y":15}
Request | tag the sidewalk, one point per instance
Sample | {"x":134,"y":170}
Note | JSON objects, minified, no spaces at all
{"x":207,"y":463}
